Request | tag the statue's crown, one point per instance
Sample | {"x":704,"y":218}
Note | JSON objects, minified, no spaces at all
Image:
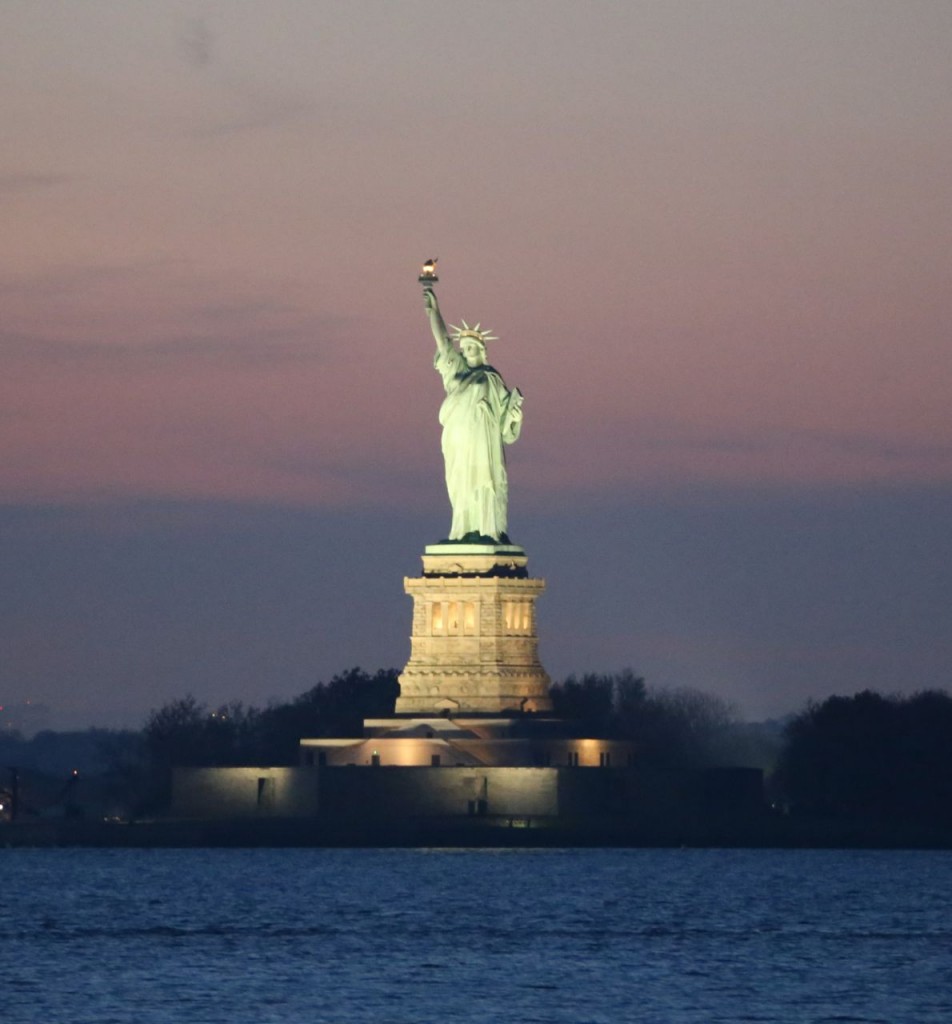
{"x":459,"y":333}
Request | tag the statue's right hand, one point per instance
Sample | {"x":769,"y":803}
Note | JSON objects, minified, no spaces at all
{"x":429,"y":300}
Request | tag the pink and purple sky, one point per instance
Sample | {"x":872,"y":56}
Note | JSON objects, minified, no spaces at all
{"x":714,"y":238}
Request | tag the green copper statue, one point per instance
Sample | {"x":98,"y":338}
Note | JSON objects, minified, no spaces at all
{"x":479,"y":415}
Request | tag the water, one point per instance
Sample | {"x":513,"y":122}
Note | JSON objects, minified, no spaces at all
{"x":667,"y":936}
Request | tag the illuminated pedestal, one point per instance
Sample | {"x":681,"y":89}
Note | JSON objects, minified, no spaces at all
{"x":474,"y":646}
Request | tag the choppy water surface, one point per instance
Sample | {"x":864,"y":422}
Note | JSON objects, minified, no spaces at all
{"x":458,"y":936}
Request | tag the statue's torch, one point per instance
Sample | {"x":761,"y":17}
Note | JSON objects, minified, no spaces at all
{"x":428,"y":276}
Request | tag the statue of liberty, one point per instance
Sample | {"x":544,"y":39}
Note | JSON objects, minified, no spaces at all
{"x":479,"y":415}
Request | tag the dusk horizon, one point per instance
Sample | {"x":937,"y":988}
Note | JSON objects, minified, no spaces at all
{"x":713,"y":242}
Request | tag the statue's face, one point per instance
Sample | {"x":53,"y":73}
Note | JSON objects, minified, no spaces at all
{"x":473,"y":353}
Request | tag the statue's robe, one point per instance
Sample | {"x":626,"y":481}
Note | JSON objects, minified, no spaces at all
{"x":478,"y":418}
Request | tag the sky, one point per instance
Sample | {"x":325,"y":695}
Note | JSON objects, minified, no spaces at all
{"x":713,"y":238}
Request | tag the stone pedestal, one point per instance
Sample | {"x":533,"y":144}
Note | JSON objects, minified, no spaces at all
{"x":474,"y":646}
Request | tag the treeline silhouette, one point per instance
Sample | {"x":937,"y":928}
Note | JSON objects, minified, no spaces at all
{"x":869,"y":756}
{"x":129,"y":772}
{"x":185,"y":732}
{"x":675,"y":728}
{"x":672,"y":728}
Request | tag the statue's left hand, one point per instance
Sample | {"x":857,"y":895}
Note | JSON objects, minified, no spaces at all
{"x":515,"y":405}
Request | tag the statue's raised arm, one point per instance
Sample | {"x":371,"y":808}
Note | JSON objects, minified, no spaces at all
{"x":437,"y":326}
{"x":479,"y":415}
